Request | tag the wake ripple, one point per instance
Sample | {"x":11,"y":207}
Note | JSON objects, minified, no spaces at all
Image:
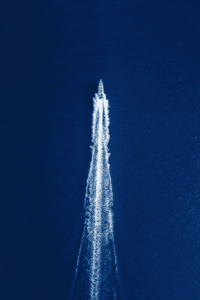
{"x":96,"y":270}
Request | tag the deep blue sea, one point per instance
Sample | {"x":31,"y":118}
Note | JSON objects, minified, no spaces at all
{"x":52,"y":56}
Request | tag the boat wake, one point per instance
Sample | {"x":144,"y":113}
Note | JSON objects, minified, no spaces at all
{"x":96,"y":271}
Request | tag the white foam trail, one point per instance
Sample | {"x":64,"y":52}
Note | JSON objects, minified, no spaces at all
{"x":96,"y":271}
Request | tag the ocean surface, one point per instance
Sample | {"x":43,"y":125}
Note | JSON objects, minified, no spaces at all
{"x":52,"y":56}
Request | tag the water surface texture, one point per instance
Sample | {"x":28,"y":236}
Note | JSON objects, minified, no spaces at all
{"x":53,"y":54}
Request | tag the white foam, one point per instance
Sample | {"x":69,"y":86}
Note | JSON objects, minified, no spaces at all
{"x":98,"y":236}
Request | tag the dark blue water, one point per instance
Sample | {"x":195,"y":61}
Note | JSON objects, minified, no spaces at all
{"x":53,"y":54}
